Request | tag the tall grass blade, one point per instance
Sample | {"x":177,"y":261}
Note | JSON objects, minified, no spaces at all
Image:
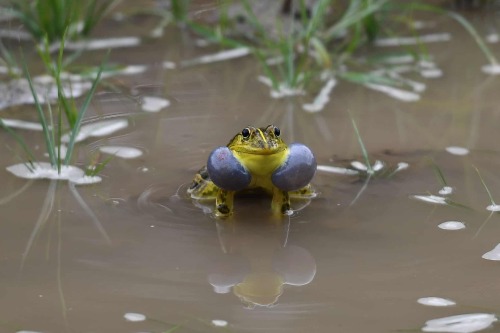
{"x":485,"y":187}
{"x":362,"y":145}
{"x":78,"y":122}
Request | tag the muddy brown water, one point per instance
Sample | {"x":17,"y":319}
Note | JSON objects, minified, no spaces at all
{"x":334,"y":266}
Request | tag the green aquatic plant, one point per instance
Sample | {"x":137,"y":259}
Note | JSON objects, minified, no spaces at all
{"x":52,"y":19}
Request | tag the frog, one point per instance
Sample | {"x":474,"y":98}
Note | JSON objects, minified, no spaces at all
{"x":256,"y":158}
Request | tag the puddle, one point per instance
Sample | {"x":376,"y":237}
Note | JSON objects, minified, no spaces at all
{"x":135,"y":253}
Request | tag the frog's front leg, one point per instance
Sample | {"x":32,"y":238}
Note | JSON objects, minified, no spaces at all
{"x":229,"y":175}
{"x":281,"y":201}
{"x":224,"y":203}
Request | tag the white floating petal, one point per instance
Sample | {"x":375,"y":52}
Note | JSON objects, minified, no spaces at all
{"x":43,"y":170}
{"x":154,"y":104}
{"x":492,"y":38}
{"x":219,"y":323}
{"x":402,"y":95}
{"x":446,"y":190}
{"x":492,"y":69}
{"x":493,"y":254}
{"x":431,"y":73}
{"x":169,"y":65}
{"x":401,"y":166}
{"x":455,"y":150}
{"x":23,"y":331}
{"x":466,"y":323}
{"x":63,"y":149}
{"x":493,"y":208}
{"x":121,"y":151}
{"x":431,"y":199}
{"x":358,"y":165}
{"x":436,"y":301}
{"x":105,"y":43}
{"x":98,"y":129}
{"x":87,"y":180}
{"x":219,"y":56}
{"x":398,"y":60}
{"x":323,"y":97}
{"x":21,"y":124}
{"x":398,"y":41}
{"x":132,"y":316}
{"x":334,"y":169}
{"x":379,"y":165}
{"x":452,"y":225}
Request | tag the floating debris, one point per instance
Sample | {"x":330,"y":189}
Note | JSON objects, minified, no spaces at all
{"x":493,"y":208}
{"x":434,"y":199}
{"x":154,"y":104}
{"x":452,"y":225}
{"x":121,"y":151}
{"x":400,"y":94}
{"x":399,"y":59}
{"x":401,"y":166}
{"x":436,"y":301}
{"x":132,"y":316}
{"x":23,"y":331}
{"x":21,"y":124}
{"x":492,"y":38}
{"x":283,"y":89}
{"x":169,"y":65}
{"x":399,"y":41}
{"x":219,"y":56}
{"x":493,"y":254}
{"x":126,"y":70}
{"x":376,"y":167}
{"x":98,"y":44}
{"x":87,"y":180}
{"x":322,"y":98}
{"x":338,"y":170}
{"x":466,"y":323}
{"x":492,"y":69}
{"x":431,"y":73}
{"x":455,"y":150}
{"x":44,"y":170}
{"x":446,"y":190}
{"x":359,"y":166}
{"x":219,"y":323}
{"x":98,"y":129}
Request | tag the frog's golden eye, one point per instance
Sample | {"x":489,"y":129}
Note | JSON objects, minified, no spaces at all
{"x":277,"y":131}
{"x":245,"y":133}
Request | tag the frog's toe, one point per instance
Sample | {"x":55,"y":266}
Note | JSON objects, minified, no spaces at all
{"x":298,"y":169}
{"x":226,"y":171}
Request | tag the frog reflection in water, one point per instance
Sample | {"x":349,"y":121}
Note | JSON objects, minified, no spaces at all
{"x":256,"y":158}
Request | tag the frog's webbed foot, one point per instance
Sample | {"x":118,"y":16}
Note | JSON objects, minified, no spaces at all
{"x":298,"y":169}
{"x":224,"y":203}
{"x":227,"y":173}
{"x":281,"y":202}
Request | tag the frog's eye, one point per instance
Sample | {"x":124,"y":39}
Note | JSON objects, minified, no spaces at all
{"x":245,"y":133}
{"x":277,"y":131}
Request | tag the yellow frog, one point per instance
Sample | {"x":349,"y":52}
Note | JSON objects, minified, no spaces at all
{"x":256,"y":158}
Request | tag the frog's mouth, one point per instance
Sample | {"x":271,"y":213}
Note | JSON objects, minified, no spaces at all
{"x":259,"y":151}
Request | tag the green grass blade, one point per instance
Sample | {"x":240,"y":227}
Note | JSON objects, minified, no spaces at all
{"x":363,"y":148}
{"x":86,"y":103}
{"x":485,"y":187}
{"x":46,"y":131}
{"x":20,"y":141}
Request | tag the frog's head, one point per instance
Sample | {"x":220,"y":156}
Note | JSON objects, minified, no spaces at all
{"x":258,"y":141}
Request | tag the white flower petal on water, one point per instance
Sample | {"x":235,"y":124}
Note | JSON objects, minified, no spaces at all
{"x":400,"y":94}
{"x":322,"y":98}
{"x":154,"y":104}
{"x":169,"y":65}
{"x":379,"y":165}
{"x":132,"y":316}
{"x":87,"y":180}
{"x":219,"y":323}
{"x":431,"y":73}
{"x":219,"y":56}
{"x":401,"y":166}
{"x":466,"y":323}
{"x":436,"y":301}
{"x":446,"y":190}
{"x":398,"y":41}
{"x":360,"y":166}
{"x":121,"y":151}
{"x":98,"y":129}
{"x":21,"y":124}
{"x":492,"y":69}
{"x":492,"y":38}
{"x":493,"y":254}
{"x":105,"y":43}
{"x":452,"y":225}
{"x":24,"y":331}
{"x":430,"y":199}
{"x":493,"y":208}
{"x":43,"y":170}
{"x":455,"y":150}
{"x":338,"y":170}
